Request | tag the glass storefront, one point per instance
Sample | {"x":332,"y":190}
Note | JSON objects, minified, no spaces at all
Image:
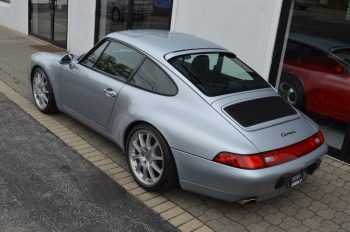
{"x":114,"y":15}
{"x":316,"y":67}
{"x":48,"y":21}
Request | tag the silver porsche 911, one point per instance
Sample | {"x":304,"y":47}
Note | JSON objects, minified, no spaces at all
{"x":184,"y":110}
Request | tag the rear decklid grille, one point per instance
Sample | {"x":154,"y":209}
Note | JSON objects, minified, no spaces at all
{"x":253,"y":112}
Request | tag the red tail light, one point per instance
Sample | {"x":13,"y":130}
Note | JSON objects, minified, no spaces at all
{"x":271,"y":158}
{"x":159,"y":2}
{"x":240,"y":161}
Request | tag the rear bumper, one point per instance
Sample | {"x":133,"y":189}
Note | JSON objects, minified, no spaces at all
{"x":232,"y":184}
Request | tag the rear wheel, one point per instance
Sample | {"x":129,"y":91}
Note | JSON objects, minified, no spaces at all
{"x":293,"y":92}
{"x":42,"y":92}
{"x":150,"y":159}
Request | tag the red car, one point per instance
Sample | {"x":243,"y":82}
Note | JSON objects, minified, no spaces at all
{"x":316,"y":76}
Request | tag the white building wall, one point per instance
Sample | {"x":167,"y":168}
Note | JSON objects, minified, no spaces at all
{"x":81,"y":25}
{"x":14,"y":15}
{"x":81,"y":21}
{"x":246,"y":27}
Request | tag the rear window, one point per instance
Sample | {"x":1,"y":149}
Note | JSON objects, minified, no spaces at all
{"x":218,"y":73}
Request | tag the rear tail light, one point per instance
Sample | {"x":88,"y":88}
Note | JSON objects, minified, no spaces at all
{"x":271,"y":158}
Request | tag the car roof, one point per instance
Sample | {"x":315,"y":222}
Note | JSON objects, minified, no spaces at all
{"x":162,"y":42}
{"x":324,"y":44}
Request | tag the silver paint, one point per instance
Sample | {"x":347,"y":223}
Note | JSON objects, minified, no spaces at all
{"x":194,"y":125}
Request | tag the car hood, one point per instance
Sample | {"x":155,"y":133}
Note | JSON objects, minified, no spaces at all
{"x":265,"y":119}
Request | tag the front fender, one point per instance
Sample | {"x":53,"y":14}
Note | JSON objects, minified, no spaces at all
{"x":49,"y":63}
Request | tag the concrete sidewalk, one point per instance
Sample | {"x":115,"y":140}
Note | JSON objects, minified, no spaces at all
{"x":321,"y":203}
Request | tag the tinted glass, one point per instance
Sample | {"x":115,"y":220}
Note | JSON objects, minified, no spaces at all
{"x":315,"y":72}
{"x":343,"y":54}
{"x":218,"y":73}
{"x":118,"y":60}
{"x":146,"y":14}
{"x":91,"y":59}
{"x":152,"y":78}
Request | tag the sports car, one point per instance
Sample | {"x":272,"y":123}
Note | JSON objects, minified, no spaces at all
{"x":184,"y":110}
{"x":316,"y":76}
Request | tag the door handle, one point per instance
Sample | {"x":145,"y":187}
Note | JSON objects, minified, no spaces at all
{"x":109,"y":92}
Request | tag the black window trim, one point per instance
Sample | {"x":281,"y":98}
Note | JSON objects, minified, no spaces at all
{"x":132,"y":74}
{"x":104,"y":73}
{"x":139,"y":87}
{"x":319,"y":50}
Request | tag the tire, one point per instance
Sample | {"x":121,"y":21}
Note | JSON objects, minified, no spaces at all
{"x":42,"y":92}
{"x":291,"y":90}
{"x":150,"y":160}
{"x":302,"y":7}
{"x":115,"y":14}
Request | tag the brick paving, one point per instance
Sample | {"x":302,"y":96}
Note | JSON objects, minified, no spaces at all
{"x":321,"y":203}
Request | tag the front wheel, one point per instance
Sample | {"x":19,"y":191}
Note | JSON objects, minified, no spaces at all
{"x":43,"y":93}
{"x":150,"y":159}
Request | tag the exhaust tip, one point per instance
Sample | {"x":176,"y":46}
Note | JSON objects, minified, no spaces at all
{"x":247,"y":201}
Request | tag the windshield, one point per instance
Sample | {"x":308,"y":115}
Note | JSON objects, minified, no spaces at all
{"x":217,"y":73}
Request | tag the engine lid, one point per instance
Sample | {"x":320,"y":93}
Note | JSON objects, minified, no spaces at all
{"x":264,"y":118}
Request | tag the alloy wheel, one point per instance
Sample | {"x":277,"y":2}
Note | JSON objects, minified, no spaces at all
{"x":115,"y":15}
{"x":288,"y":93}
{"x":146,"y":157}
{"x":41,"y":90}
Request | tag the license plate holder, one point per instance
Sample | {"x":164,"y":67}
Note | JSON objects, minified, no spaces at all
{"x":290,"y":180}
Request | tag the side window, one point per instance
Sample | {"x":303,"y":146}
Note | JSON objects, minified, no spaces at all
{"x":152,"y":78}
{"x":295,"y":51}
{"x":91,"y":59}
{"x":118,"y":60}
{"x":291,"y":51}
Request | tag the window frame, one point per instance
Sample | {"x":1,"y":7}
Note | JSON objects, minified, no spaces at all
{"x":330,"y":54}
{"x":105,"y":73}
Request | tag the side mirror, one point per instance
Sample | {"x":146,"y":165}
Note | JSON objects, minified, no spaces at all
{"x":338,"y":69}
{"x":66,"y":59}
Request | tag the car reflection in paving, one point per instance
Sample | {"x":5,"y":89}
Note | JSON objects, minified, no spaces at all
{"x":184,"y":110}
{"x":316,"y":76}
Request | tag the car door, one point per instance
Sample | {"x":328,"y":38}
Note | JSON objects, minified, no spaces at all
{"x":91,"y":87}
{"x":334,"y":95}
